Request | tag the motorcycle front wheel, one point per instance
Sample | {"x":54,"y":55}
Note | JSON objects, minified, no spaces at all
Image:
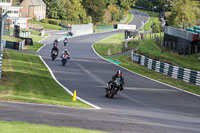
{"x":53,"y":58}
{"x":113,"y":92}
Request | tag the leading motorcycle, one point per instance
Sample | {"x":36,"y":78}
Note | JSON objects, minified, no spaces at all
{"x":113,"y":88}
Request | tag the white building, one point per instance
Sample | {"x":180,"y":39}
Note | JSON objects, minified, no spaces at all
{"x":14,"y":13}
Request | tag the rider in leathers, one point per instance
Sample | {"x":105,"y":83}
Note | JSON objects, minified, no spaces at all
{"x":55,"y":48}
{"x":66,"y":52}
{"x":117,"y":75}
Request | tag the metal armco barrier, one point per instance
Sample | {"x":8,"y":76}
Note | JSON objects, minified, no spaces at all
{"x":187,"y":75}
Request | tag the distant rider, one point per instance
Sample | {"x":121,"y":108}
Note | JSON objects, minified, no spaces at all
{"x":55,"y":42}
{"x":65,"y":41}
{"x":117,"y":75}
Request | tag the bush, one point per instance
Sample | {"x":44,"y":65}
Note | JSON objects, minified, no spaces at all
{"x":54,"y":22}
{"x":45,"y":20}
{"x":156,"y":27}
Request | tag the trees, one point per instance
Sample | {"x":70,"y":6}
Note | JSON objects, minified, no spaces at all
{"x":85,"y":11}
{"x":67,"y":9}
{"x":55,"y":9}
{"x":156,"y":27}
{"x":182,"y":13}
{"x":160,"y":4}
{"x":118,"y":8}
{"x":95,"y":9}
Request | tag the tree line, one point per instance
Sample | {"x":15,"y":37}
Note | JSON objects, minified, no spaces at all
{"x":86,"y":11}
{"x":184,"y":12}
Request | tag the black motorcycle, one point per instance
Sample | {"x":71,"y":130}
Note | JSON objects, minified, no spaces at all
{"x":54,"y":54}
{"x":113,"y":88}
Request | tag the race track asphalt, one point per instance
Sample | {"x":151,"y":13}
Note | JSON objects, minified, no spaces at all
{"x":144,"y":106}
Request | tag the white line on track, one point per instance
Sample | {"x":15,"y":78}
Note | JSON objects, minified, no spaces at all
{"x":96,"y":107}
{"x":43,"y":43}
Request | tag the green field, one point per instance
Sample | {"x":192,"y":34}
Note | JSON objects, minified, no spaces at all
{"x":111,"y":45}
{"x":148,"y":47}
{"x":109,"y":27}
{"x":22,"y":127}
{"x":36,"y":45}
{"x":46,"y":25}
{"x":25,"y":78}
{"x":12,"y":39}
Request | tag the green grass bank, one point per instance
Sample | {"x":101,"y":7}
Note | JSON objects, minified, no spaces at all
{"x":110,"y":46}
{"x":25,"y":78}
{"x":36,"y":44}
{"x":21,"y":127}
{"x":46,"y":25}
{"x":149,"y":48}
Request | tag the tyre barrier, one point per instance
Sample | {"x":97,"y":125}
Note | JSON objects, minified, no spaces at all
{"x":25,"y":34}
{"x":15,"y":45}
{"x":184,"y":74}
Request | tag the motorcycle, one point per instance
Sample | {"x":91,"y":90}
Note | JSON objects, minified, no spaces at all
{"x":65,"y":42}
{"x":64,"y":59}
{"x":54,"y":54}
{"x":113,"y":88}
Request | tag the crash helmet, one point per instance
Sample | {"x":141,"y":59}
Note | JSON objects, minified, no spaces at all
{"x":119,"y":73}
{"x":55,"y":46}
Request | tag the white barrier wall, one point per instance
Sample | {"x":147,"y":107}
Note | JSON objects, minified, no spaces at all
{"x":82,"y":29}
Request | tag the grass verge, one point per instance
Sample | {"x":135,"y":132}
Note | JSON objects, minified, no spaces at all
{"x":21,"y":127}
{"x":126,"y":62}
{"x":26,"y":78}
{"x":12,"y":39}
{"x":109,"y":27}
{"x":45,"y":25}
{"x":130,"y":16}
{"x":111,"y":45}
{"x":150,"y":48}
{"x":36,"y":45}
